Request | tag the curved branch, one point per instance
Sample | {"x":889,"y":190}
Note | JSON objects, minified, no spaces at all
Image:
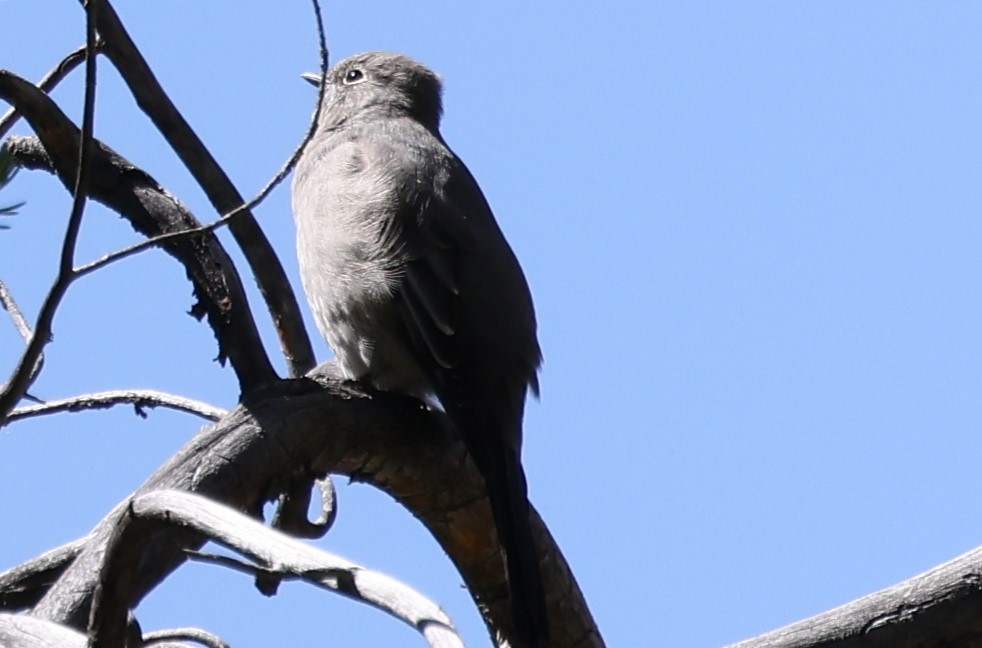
{"x":151,"y":210}
{"x":294,"y":505}
{"x":23,"y":586}
{"x":26,"y":370}
{"x":274,"y":552}
{"x":389,"y":441}
{"x":19,"y":631}
{"x":139,"y":398}
{"x":197,"y":635}
{"x":50,"y":80}
{"x":301,"y":365}
{"x":265,"y":265}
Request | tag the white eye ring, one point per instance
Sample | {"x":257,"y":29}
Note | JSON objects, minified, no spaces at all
{"x":353,"y":76}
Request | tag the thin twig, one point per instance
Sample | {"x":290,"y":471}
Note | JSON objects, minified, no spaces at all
{"x":262,"y":259}
{"x":20,"y":323}
{"x":285,"y":169}
{"x":151,"y":210}
{"x":9,"y":305}
{"x":66,"y":263}
{"x":146,"y":244}
{"x":48,"y":83}
{"x":21,"y":379}
{"x":138,"y":398}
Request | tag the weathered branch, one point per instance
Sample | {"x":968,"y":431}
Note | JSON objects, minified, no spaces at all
{"x":20,"y":323}
{"x":21,"y":587}
{"x":152,"y":211}
{"x":292,"y":510}
{"x":939,"y":608}
{"x":48,"y":83}
{"x":19,"y":631}
{"x":158,"y":638}
{"x":225,"y":219}
{"x":25,"y":371}
{"x":254,"y":453}
{"x":138,"y":398}
{"x":16,"y":316}
{"x":265,"y":265}
{"x":271,"y":550}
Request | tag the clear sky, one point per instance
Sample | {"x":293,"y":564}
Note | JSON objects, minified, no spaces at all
{"x":752,"y":231}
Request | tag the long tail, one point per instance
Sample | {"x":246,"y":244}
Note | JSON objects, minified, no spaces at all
{"x":507,"y":493}
{"x":491,"y":429}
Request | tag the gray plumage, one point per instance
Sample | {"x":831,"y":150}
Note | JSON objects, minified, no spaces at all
{"x":414,"y":286}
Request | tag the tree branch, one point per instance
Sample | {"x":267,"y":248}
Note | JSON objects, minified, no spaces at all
{"x":48,"y":83}
{"x":20,"y":323}
{"x":23,"y":586}
{"x":271,"y":550}
{"x":136,"y":248}
{"x":391,"y":442}
{"x":937,"y":608}
{"x":151,"y":210}
{"x":19,"y":631}
{"x":16,"y":316}
{"x":24,"y":373}
{"x":265,"y":265}
{"x":139,"y":398}
{"x":197,"y":635}
{"x":293,"y":506}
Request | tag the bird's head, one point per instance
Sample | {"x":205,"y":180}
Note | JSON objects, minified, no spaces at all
{"x":381,"y":81}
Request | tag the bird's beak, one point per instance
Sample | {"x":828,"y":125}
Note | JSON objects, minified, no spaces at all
{"x":313,"y":78}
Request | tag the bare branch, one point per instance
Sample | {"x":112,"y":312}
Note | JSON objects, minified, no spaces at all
{"x":173,"y":238}
{"x":48,"y":83}
{"x":23,"y":374}
{"x":158,"y":240}
{"x":273,"y":551}
{"x":22,"y":586}
{"x":229,"y":562}
{"x":139,"y":398}
{"x":937,"y":608}
{"x":291,"y":514}
{"x":20,"y":323}
{"x":386,"y":440}
{"x":66,"y":264}
{"x":265,"y":265}
{"x":196,"y":635}
{"x":20,"y":631}
{"x":9,"y":305}
{"x":150,"y":209}
{"x":225,"y":219}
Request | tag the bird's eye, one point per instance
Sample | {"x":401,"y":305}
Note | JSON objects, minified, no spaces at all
{"x":353,"y":76}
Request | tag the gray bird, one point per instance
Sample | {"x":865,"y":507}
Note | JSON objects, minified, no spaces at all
{"x":414,"y":286}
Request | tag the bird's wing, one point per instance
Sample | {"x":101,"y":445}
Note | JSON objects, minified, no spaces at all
{"x":430,"y":291}
{"x":488,"y":421}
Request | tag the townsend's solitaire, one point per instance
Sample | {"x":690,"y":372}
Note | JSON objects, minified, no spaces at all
{"x":414,"y":286}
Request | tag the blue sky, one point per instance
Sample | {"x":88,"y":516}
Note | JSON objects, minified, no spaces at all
{"x":752,"y":233}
